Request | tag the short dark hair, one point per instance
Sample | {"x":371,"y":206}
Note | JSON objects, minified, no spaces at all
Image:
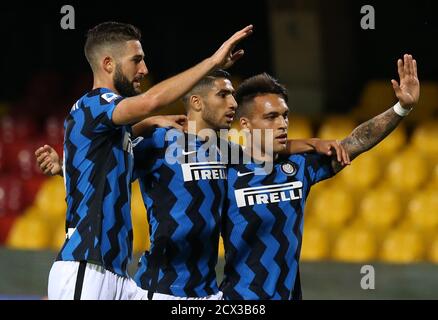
{"x":109,"y":33}
{"x":257,"y":85}
{"x":205,"y":82}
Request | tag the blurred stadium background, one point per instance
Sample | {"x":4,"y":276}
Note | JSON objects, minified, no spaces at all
{"x":383,"y":210}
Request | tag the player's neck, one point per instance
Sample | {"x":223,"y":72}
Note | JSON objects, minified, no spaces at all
{"x":196,"y":127}
{"x":100,"y":83}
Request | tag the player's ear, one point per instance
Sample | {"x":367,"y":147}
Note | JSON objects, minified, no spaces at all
{"x":108,"y":64}
{"x":195,"y":102}
{"x":244,"y":123}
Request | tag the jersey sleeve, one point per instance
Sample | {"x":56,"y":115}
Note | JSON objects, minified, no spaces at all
{"x":101,"y":110}
{"x":318,"y":167}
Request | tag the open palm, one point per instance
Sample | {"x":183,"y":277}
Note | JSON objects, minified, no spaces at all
{"x":408,"y":91}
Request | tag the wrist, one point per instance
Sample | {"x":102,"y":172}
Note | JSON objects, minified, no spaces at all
{"x":402,"y":111}
{"x":312,"y":142}
{"x":211,"y":63}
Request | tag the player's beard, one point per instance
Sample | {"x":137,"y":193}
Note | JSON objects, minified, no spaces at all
{"x":123,"y":86}
{"x":210,"y":117}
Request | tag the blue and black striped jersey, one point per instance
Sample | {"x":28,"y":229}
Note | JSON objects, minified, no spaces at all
{"x":263,"y":225}
{"x":184,"y":200}
{"x":98,"y":163}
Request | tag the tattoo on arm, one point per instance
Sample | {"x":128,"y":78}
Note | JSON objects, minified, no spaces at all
{"x":368,"y":134}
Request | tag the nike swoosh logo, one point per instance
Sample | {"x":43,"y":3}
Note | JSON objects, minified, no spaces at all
{"x":187,"y":152}
{"x":241,"y":174}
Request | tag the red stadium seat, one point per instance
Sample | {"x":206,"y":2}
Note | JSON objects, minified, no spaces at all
{"x":20,"y":158}
{"x":2,"y":157}
{"x":6,"y":222}
{"x":11,"y":194}
{"x":17,"y":128}
{"x":54,"y":130}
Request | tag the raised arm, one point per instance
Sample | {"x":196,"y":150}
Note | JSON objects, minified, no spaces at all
{"x":134,"y":109}
{"x":371,"y":132}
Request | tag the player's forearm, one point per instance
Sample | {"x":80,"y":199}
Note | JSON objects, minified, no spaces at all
{"x":142,"y":126}
{"x":135,"y":109}
{"x":300,"y":145}
{"x":175,"y":87}
{"x":370,"y":133}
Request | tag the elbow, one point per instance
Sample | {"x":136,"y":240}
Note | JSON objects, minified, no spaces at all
{"x":152,"y":103}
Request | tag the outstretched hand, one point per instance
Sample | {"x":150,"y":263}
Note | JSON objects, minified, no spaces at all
{"x":224,"y":57}
{"x":408,"y":91}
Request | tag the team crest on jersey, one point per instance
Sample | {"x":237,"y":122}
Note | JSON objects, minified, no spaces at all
{"x":289,"y":168}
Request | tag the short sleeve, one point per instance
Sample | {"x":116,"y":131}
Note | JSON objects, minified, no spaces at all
{"x":318,"y":167}
{"x":101,"y":109}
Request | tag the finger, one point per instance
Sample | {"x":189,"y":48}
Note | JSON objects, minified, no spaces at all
{"x":45,"y":163}
{"x":48,"y":148}
{"x":48,"y":170}
{"x":41,"y":157}
{"x":410,"y":65}
{"x":414,"y":63}
{"x":406,"y":64}
{"x":338,"y":151}
{"x":39,"y":151}
{"x":240,"y":35}
{"x":396,"y":87}
{"x":237,"y":55}
{"x":345,"y":158}
{"x":400,"y":70}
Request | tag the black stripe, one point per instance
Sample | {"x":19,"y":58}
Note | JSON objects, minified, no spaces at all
{"x":80,"y":280}
{"x":297,"y":293}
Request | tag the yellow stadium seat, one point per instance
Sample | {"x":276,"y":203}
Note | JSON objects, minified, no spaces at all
{"x":389,"y":146}
{"x":433,"y":182}
{"x":315,"y":244}
{"x":58,"y":237}
{"x":236,"y":135}
{"x":362,"y":173}
{"x":407,"y":171}
{"x":29,"y":232}
{"x":333,"y":207}
{"x":140,"y":225}
{"x":425,"y":138}
{"x":402,"y":246}
{"x":377,"y":96}
{"x":422,"y":211}
{"x":432,"y":254}
{"x":355,"y":245}
{"x":50,"y":199}
{"x":336,"y":128}
{"x":140,"y":228}
{"x":221,"y":249}
{"x":427,"y":105}
{"x":299,"y":128}
{"x":380,"y":209}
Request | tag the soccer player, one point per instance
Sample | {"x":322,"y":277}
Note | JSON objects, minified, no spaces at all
{"x":98,"y":160}
{"x":184,"y":198}
{"x":263,"y":225}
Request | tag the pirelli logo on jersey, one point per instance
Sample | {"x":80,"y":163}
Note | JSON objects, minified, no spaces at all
{"x":203,"y":171}
{"x":269,"y":194}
